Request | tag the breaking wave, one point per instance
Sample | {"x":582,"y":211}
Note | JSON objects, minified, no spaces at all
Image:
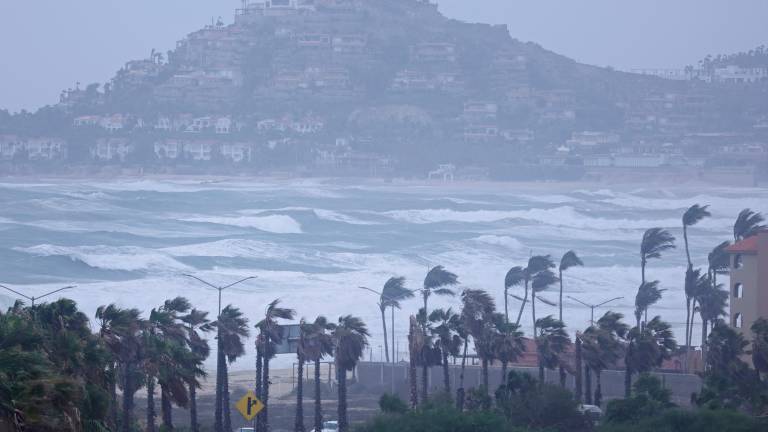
{"x":127,"y":258}
{"x":277,"y":224}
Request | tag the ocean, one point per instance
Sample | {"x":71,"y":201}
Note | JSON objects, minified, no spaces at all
{"x":312,"y":243}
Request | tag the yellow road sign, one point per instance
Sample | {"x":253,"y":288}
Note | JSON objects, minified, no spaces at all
{"x":249,"y":406}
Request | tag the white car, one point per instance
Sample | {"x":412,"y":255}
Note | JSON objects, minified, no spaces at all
{"x":592,"y":411}
{"x":329,"y":426}
{"x":246,"y":429}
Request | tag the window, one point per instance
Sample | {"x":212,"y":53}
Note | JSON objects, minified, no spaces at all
{"x":738,"y":290}
{"x":738,"y":262}
{"x":738,"y":320}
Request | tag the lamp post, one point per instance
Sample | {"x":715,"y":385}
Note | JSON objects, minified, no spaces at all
{"x":392,"y":326}
{"x":35,"y":298}
{"x":592,"y":307}
{"x":220,"y":288}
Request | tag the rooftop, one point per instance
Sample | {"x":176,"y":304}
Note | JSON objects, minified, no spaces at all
{"x":748,"y":245}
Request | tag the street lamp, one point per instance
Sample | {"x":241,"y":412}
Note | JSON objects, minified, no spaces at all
{"x":33,"y":298}
{"x":593,"y":307}
{"x":220,"y":288}
{"x":392,"y":329}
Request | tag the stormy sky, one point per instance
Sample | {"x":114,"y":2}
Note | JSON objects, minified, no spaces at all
{"x":48,"y":45}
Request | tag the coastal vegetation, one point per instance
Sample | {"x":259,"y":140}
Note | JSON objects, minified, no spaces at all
{"x":60,"y":371}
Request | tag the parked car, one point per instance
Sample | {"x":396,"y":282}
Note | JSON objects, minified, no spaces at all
{"x":329,"y":426}
{"x":592,"y":411}
{"x":246,"y":429}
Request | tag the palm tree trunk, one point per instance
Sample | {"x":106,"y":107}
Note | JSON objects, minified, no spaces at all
{"x":151,"y":404}
{"x":504,"y":367}
{"x":227,"y":423}
{"x":318,"y":403}
{"x":628,"y":373}
{"x":259,"y":380}
{"x":342,"y":379}
{"x":128,"y":392}
{"x":598,"y":389}
{"x":522,"y":305}
{"x":578,"y":369}
{"x":560,"y":303}
{"x":485,"y":375}
{"x":426,"y":312}
{"x":412,"y":378}
{"x":460,"y":391}
{"x":424,"y":380}
{"x":299,"y":425}
{"x":218,"y":415}
{"x":563,"y":376}
{"x":541,"y":373}
{"x":687,"y":252}
{"x":446,"y":374}
{"x":193,"y":426}
{"x":384,"y":326}
{"x":113,"y":396}
{"x":533,"y":312}
{"x":704,"y":345}
{"x":506,"y":304}
{"x":690,"y":336}
{"x":588,"y":385}
{"x":687,"y":326}
{"x":642,"y":271}
{"x":166,"y":409}
{"x":265,"y":392}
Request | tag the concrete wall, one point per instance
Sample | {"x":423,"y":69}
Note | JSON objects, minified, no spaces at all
{"x":384,"y":377}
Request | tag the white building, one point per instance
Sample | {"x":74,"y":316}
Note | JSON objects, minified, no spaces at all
{"x":169,"y":149}
{"x":109,"y":149}
{"x":223,"y":125}
{"x":199,"y":150}
{"x":735,"y":74}
{"x":237,"y":152}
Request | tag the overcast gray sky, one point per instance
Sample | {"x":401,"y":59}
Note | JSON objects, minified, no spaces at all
{"x":48,"y":45}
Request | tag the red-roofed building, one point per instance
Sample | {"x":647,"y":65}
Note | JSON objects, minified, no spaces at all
{"x":749,"y":282}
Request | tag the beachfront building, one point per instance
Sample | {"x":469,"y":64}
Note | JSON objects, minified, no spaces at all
{"x":749,"y":282}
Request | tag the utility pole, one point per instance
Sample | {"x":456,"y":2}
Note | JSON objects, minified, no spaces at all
{"x":35,"y":298}
{"x":220,"y":288}
{"x":592,"y":307}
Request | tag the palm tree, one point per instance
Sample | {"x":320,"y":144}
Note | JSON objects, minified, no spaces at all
{"x":655,"y":241}
{"x":647,"y":348}
{"x":570,"y":259}
{"x":394,"y":291}
{"x":350,"y":339}
{"x":509,"y":345}
{"x":551,"y":342}
{"x":197,"y":322}
{"x":415,"y":346}
{"x":647,"y":295}
{"x":691,"y":217}
{"x":436,"y":282}
{"x":178,"y":362}
{"x":719,"y":261}
{"x":602,"y":347}
{"x":232,"y":328}
{"x":713,"y":302}
{"x":301,"y":358}
{"x":315,"y":344}
{"x":446,"y":339}
{"x":271,"y":334}
{"x":121,"y":332}
{"x":747,"y":224}
{"x":478,"y":314}
{"x":515,"y":276}
{"x":540,"y":282}
{"x":536,"y":264}
{"x":760,"y":346}
{"x":696,"y":284}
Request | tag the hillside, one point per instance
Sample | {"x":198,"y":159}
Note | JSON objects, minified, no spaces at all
{"x":374,"y":87}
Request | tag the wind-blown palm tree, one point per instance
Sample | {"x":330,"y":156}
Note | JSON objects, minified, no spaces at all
{"x":315,"y":344}
{"x":695,"y":214}
{"x":647,"y":295}
{"x":551,"y":343}
{"x":760,"y":346}
{"x":719,"y":261}
{"x":509,"y":345}
{"x":301,"y":358}
{"x":602,"y":347}
{"x":536,"y":265}
{"x":647,"y":348}
{"x":446,"y":339}
{"x":713,"y":302}
{"x":515,"y":276}
{"x":121,"y":332}
{"x":540,"y":282}
{"x":696,"y":284}
{"x":569,"y":260}
{"x":350,"y":339}
{"x":394,"y":291}
{"x":197,"y":322}
{"x":415,"y":345}
{"x":655,"y":242}
{"x":747,"y":224}
{"x":271,"y":334}
{"x":436,"y":282}
{"x":478,"y":314}
{"x":232,"y":328}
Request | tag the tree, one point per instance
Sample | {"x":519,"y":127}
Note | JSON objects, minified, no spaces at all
{"x":197,"y":322}
{"x":536,"y":264}
{"x":569,"y":260}
{"x":350,"y":337}
{"x":647,"y":295}
{"x":647,"y":348}
{"x":760,"y":345}
{"x":540,"y":282}
{"x":478,"y":310}
{"x":271,"y":334}
{"x":655,"y":242}
{"x":695,"y":285}
{"x":415,"y":344}
{"x":394,"y":291}
{"x":436,"y":282}
{"x":719,"y":261}
{"x":602,"y":346}
{"x":695,"y":214}
{"x":551,"y":343}
{"x":509,"y":344}
{"x":447,"y":340}
{"x":515,"y":276}
{"x":121,"y":331}
{"x":713,"y":301}
{"x":748,"y":223}
{"x":232,"y":328}
{"x":317,"y":343}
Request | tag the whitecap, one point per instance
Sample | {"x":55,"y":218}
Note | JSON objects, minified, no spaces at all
{"x":126,"y":258}
{"x":498,"y":240}
{"x":278,"y":224}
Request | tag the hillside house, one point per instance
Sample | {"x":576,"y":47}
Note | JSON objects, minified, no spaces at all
{"x":112,"y":149}
{"x":354,"y":43}
{"x":169,"y":149}
{"x":480,"y":132}
{"x":590,"y":140}
{"x":737,"y":75}
{"x":313,"y":40}
{"x":114,"y":123}
{"x":480,"y":110}
{"x":87,"y":121}
{"x":9,"y":146}
{"x":199,"y":150}
{"x":434,"y":52}
{"x":237,"y":152}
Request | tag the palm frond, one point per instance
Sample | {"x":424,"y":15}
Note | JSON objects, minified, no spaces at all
{"x":655,"y":241}
{"x":515,"y":276}
{"x":748,"y":223}
{"x":695,"y":214}
{"x":570,"y":259}
{"x":439,"y":277}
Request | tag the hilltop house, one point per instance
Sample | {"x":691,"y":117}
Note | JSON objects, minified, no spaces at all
{"x":749,"y":282}
{"x":109,"y":149}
